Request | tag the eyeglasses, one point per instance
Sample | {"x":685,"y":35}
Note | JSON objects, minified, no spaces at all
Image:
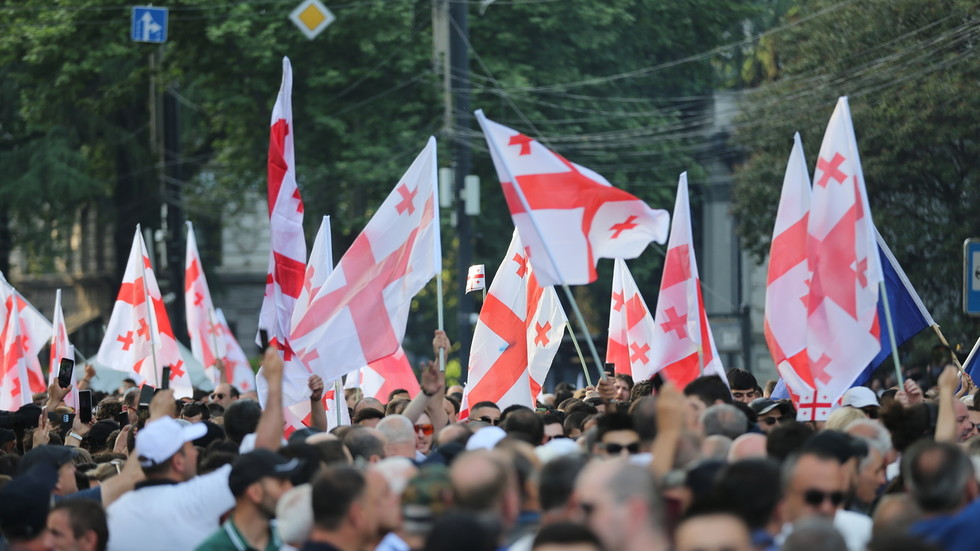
{"x":587,"y":509}
{"x":816,"y":498}
{"x":770,"y":421}
{"x":217,"y":396}
{"x":426,"y":429}
{"x":488,"y":419}
{"x":614,"y":449}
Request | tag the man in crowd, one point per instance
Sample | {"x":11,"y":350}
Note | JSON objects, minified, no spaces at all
{"x":76,"y":525}
{"x":224,"y":394}
{"x":620,"y":503}
{"x":345,"y":505}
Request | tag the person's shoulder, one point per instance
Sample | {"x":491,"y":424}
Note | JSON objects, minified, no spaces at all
{"x":217,"y":541}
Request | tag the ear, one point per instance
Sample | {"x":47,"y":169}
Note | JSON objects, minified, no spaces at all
{"x":255,"y":492}
{"x":90,"y":540}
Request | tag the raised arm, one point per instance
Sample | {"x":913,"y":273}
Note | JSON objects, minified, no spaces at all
{"x":269,"y":432}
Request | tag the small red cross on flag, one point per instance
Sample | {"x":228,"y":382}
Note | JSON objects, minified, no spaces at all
{"x":630,"y":328}
{"x":476,"y":278}
{"x":200,"y":313}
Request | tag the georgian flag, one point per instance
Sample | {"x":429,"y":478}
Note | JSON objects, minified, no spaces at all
{"x":207,"y":346}
{"x":14,"y":386}
{"x":35,"y":332}
{"x":61,"y":348}
{"x":631,"y":327}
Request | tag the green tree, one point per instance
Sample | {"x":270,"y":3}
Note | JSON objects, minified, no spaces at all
{"x":910,"y":69}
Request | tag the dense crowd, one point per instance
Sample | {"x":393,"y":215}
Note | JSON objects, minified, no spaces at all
{"x":715,"y":466}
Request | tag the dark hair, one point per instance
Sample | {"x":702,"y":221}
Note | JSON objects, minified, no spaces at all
{"x":214,"y":461}
{"x":574,"y":421}
{"x":334,"y":491}
{"x":216,"y":409}
{"x":191,"y":409}
{"x":367,"y":414}
{"x":580,"y":405}
{"x":85,"y":515}
{"x":331,"y":451}
{"x":612,"y":422}
{"x":562,"y":395}
{"x":396,"y":392}
{"x":641,"y":389}
{"x":241,"y":418}
{"x":525,"y":425}
{"x":751,"y":489}
{"x":454,"y":402}
{"x":787,"y":438}
{"x":937,"y":487}
{"x":310,"y":461}
{"x":362,"y":443}
{"x":565,"y":533}
{"x":644,"y":414}
{"x":461,"y":530}
{"x":908,"y":425}
{"x":396,"y":406}
{"x":556,"y":480}
{"x":109,"y":408}
{"x":626,"y":379}
{"x":485,"y":404}
{"x":709,"y":389}
{"x":551,"y":418}
{"x":741,"y":379}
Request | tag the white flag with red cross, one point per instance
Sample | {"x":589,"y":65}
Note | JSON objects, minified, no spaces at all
{"x":14,"y":386}
{"x":236,"y":370}
{"x":61,"y":348}
{"x":476,"y":278}
{"x":842,"y":321}
{"x":379,"y":378}
{"x":787,"y":284}
{"x":520,"y":328}
{"x":682,"y":346}
{"x":287,"y":257}
{"x":207,"y":346}
{"x":631,"y":327}
{"x":35,"y":332}
{"x":566,"y":209}
{"x":360,"y":312}
{"x":138,"y":339}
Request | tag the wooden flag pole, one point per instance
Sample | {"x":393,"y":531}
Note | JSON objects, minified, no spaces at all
{"x":578,"y":350}
{"x":942,"y":339}
{"x":891,"y":332}
{"x":551,"y":257}
{"x":338,"y":393}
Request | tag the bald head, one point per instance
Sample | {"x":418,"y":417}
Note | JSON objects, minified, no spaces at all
{"x":372,"y":403}
{"x":747,"y":446}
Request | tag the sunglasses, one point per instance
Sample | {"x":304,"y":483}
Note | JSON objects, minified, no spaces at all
{"x":487,"y":419}
{"x":770,"y":421}
{"x":426,"y":429}
{"x":618,"y":448}
{"x":217,"y":396}
{"x":816,"y":498}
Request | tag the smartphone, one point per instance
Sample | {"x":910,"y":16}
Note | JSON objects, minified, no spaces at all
{"x":165,"y":382}
{"x":122,"y":418}
{"x":658,"y":381}
{"x":85,"y":406}
{"x":146,"y":394}
{"x":611,"y":368}
{"x":64,"y":372}
{"x":63,"y":421}
{"x":264,"y":340}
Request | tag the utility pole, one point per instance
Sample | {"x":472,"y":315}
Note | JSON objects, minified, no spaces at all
{"x":173,"y":195}
{"x":459,"y":70}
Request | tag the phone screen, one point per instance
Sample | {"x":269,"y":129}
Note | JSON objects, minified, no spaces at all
{"x":64,"y":372}
{"x":85,"y":406}
{"x":165,"y":381}
{"x":122,"y":418}
{"x":146,"y":394}
{"x":264,"y":340}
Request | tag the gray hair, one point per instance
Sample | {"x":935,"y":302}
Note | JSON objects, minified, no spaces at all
{"x":940,"y":488}
{"x":632,"y":481}
{"x":814,"y":534}
{"x":397,"y":429}
{"x":881,"y":441}
{"x":724,"y":419}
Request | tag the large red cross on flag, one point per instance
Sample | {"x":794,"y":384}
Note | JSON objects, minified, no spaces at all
{"x":14,"y":386}
{"x":62,"y":348}
{"x":517,"y":336}
{"x":788,"y":282}
{"x":138,"y":339}
{"x":360,"y":312}
{"x":237,"y":370}
{"x":207,"y":346}
{"x":567,"y":209}
{"x":631,"y":327}
{"x":842,"y":322}
{"x":682,"y":346}
{"x":379,"y":378}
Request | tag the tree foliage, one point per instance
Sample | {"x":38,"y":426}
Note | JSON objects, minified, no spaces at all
{"x":910,"y":69}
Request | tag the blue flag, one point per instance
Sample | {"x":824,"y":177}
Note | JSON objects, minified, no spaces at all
{"x":972,"y":363}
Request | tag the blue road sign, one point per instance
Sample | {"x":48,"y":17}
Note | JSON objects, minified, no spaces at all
{"x":149,"y":24}
{"x":971,"y":277}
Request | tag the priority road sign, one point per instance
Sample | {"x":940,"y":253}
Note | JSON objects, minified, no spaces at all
{"x":971,"y":276}
{"x":149,"y":24}
{"x":312,"y":17}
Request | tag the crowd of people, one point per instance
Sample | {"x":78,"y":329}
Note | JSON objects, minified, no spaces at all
{"x":714,"y":466}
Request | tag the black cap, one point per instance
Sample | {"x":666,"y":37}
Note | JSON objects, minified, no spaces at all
{"x":7,"y":435}
{"x":100,"y":433}
{"x":214,"y":433}
{"x":841,"y":445}
{"x":255,"y":465}
{"x":763,"y":405}
{"x":51,"y":455}
{"x":24,"y":503}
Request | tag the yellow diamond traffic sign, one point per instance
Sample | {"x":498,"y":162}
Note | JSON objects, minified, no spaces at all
{"x":312,"y":17}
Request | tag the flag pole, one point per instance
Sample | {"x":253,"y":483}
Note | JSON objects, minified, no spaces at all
{"x":942,"y":339}
{"x":578,"y":349}
{"x":338,"y":392}
{"x":436,"y":220}
{"x":146,"y":301}
{"x":891,"y":332}
{"x":551,"y":257}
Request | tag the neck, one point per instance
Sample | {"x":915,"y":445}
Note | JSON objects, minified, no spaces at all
{"x":648,"y":541}
{"x":341,"y":538}
{"x":251,"y":524}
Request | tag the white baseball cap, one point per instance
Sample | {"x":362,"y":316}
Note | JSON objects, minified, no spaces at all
{"x":485,"y":438}
{"x":859,"y":397}
{"x":160,"y":440}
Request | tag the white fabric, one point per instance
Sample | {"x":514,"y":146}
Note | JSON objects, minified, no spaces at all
{"x":855,"y":527}
{"x":61,"y":348}
{"x":392,"y":542}
{"x":168,"y":517}
{"x":207,"y":344}
{"x":35,"y":332}
{"x":631,"y":326}
{"x":15,"y":388}
{"x":236,"y":363}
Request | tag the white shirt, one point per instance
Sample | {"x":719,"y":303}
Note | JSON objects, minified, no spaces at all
{"x":855,"y":527}
{"x":170,"y":516}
